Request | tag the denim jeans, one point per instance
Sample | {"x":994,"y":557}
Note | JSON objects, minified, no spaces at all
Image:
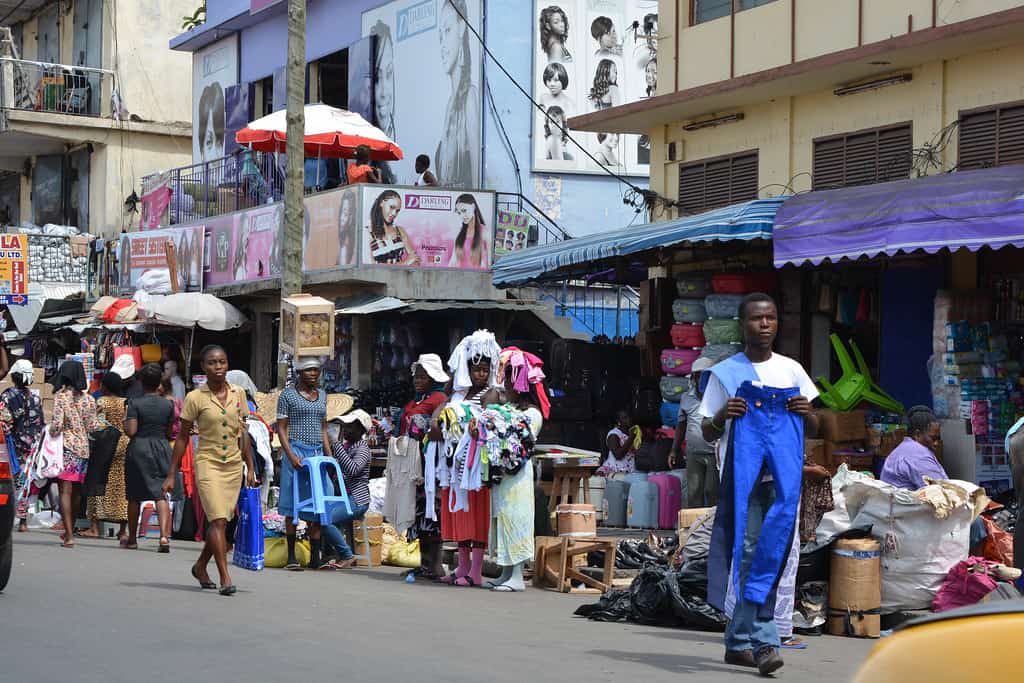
{"x":333,"y":535}
{"x":747,"y":629}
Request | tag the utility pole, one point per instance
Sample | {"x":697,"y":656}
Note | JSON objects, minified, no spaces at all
{"x":291,"y":230}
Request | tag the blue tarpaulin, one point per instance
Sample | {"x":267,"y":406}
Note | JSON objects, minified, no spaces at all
{"x":579,"y":256}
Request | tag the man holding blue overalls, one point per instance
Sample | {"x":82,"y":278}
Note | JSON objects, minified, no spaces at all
{"x":757,"y":405}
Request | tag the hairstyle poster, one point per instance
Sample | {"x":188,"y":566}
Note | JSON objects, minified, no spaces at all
{"x":591,"y":55}
{"x":512,"y":232}
{"x":245,"y":246}
{"x":330,"y":228}
{"x":237,"y":114}
{"x":427,"y":87}
{"x":414,"y":228}
{"x":141,"y":252}
{"x":214,"y":70}
{"x":360,"y":77}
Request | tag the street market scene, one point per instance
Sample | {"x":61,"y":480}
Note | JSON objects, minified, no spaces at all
{"x":443,"y":338}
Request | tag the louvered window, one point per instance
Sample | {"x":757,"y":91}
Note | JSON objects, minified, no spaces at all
{"x":706,"y":10}
{"x":711,"y":183}
{"x":862,"y":158}
{"x":991,"y":137}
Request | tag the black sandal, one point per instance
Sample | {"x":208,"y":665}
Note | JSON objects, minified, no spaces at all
{"x":164,"y":547}
{"x":228,"y":590}
{"x":205,"y":585}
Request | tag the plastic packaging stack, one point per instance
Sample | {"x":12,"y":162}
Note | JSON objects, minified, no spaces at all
{"x":50,"y":259}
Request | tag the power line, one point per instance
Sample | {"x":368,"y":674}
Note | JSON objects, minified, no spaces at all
{"x":649,"y":197}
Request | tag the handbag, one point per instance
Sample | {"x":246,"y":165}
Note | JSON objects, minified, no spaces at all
{"x":134,"y":351}
{"x":12,"y":456}
{"x":51,"y":456}
{"x":249,"y":533}
{"x":151,"y":353}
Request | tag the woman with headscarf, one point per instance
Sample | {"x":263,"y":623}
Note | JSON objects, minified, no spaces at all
{"x":428,"y":380}
{"x":112,"y":506}
{"x":522,"y":378}
{"x":220,"y":412}
{"x":302,"y":427}
{"x":474,"y":366}
{"x":21,"y":413}
{"x":74,"y":416}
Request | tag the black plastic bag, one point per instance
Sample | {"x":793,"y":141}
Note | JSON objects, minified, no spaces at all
{"x":613,"y":606}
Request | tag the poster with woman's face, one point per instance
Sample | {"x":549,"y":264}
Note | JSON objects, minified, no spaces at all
{"x":330,"y":228}
{"x":419,"y":228}
{"x":214,"y":69}
{"x":427,"y":86}
{"x":591,"y":55}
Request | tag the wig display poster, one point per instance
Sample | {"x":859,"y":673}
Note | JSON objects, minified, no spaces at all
{"x":214,"y":70}
{"x":245,"y":246}
{"x":140,"y":252}
{"x":591,"y":55}
{"x":329,"y":230}
{"x":417,"y":228}
{"x":511,"y":233}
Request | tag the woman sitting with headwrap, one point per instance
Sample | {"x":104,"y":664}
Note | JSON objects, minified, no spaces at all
{"x":513,"y":430}
{"x":466,"y":509}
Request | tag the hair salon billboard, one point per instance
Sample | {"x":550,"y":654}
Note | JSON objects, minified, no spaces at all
{"x":591,"y":55}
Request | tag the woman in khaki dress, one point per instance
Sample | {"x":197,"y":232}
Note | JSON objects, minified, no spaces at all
{"x":219,"y":410}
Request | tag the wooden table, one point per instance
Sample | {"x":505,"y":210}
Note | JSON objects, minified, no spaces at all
{"x":567,"y":482}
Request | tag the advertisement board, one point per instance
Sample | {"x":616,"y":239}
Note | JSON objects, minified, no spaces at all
{"x":155,"y":201}
{"x":140,"y":252}
{"x":245,"y":245}
{"x":329,"y":234}
{"x":512,"y":232}
{"x":591,"y":55}
{"x":13,"y":269}
{"x":427,"y":86}
{"x":414,"y":227}
{"x":214,"y":69}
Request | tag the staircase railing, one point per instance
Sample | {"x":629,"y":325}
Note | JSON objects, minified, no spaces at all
{"x":608,"y":310}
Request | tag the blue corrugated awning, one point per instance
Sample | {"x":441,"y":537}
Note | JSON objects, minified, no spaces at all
{"x":746,"y":221}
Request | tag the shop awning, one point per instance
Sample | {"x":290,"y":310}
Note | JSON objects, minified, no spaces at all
{"x":47,"y":298}
{"x":582,"y":255}
{"x":968,"y":209}
{"x":390,"y":303}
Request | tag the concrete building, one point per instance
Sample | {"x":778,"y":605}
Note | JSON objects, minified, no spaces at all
{"x":90,"y":105}
{"x":771,"y":97}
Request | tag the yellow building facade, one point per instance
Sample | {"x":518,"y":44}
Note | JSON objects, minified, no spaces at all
{"x":783,"y":78}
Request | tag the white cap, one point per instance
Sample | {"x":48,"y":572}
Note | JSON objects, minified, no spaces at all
{"x":359,"y":416}
{"x":432,"y":365}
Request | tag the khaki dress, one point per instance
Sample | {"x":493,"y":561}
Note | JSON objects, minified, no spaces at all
{"x":218,"y":460}
{"x":113,"y":505}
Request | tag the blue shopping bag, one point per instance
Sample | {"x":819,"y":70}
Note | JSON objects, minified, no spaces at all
{"x":12,"y":457}
{"x":249,"y":533}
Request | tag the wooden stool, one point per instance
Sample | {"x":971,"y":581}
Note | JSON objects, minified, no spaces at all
{"x":567,"y":481}
{"x":556,"y":560}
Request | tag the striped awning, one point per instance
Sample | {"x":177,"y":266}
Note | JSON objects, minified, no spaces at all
{"x":967,"y":209}
{"x":581,"y":255}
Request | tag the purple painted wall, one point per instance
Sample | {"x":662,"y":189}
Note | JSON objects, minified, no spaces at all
{"x":331,"y":25}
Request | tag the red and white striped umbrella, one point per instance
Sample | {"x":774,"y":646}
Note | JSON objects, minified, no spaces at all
{"x":330,"y":133}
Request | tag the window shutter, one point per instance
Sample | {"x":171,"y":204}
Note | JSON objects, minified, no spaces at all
{"x":1010,"y":149}
{"x":874,"y":156}
{"x":718,"y":182}
{"x":977,"y":147}
{"x":828,"y":167}
{"x":895,"y":154}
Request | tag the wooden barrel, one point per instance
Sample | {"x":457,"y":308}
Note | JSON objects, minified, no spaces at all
{"x":855,"y":588}
{"x":576,"y":521}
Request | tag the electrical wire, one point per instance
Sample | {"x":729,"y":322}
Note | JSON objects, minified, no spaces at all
{"x":16,"y":8}
{"x":506,"y":140}
{"x":650,"y":197}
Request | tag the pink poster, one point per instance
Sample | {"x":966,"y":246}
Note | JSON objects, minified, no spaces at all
{"x":244,"y":246}
{"x":153,"y":206}
{"x":418,"y":228}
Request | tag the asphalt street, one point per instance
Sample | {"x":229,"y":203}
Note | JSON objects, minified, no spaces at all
{"x":98,"y":613}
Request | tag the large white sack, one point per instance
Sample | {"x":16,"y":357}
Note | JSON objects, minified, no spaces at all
{"x":918,"y":546}
{"x":837,"y":520}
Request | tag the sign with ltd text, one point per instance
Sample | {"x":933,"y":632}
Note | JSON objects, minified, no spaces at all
{"x":13,"y":269}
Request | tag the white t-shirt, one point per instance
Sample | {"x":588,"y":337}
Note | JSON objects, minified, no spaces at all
{"x":778,"y":371}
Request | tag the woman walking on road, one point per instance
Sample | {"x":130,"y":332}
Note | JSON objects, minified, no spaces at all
{"x":21,"y":412}
{"x":149,"y":423}
{"x":112,"y":506}
{"x":220,"y":411}
{"x":74,"y":416}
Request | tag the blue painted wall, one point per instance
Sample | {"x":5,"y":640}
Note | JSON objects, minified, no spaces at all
{"x":589,"y":204}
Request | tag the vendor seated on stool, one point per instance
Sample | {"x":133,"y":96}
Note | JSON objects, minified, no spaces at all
{"x":914,"y":459}
{"x":353,"y":455}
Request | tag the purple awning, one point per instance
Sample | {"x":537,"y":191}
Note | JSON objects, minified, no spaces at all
{"x":969,"y":209}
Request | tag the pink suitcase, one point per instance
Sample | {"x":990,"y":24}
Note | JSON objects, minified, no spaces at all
{"x":670,"y":498}
{"x":678,"y":361}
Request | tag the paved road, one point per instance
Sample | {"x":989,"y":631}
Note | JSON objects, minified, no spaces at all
{"x":97,"y":613}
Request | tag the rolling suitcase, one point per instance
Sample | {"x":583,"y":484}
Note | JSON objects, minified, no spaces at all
{"x":723,"y":332}
{"x":744,"y":283}
{"x":669,"y":499}
{"x":722,"y":306}
{"x":616,"y":497}
{"x":642,"y":506}
{"x":681,"y":476}
{"x":669,"y":414}
{"x":693,"y":287}
{"x":689,"y":311}
{"x":688,"y":335}
{"x":673,"y":388}
{"x":678,"y":361}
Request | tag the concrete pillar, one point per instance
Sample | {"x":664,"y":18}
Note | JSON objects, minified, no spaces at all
{"x":262,"y":336}
{"x":362,"y":350}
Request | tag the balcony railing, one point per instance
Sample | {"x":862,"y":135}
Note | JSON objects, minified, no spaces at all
{"x":55,"y":88}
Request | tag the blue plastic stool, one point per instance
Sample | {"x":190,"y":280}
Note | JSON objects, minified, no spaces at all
{"x":317,"y":502}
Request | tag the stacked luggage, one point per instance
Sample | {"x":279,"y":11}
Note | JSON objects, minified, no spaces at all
{"x":688,"y":339}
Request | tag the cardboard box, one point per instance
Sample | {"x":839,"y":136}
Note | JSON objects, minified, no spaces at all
{"x":47,"y":409}
{"x":374,"y":524}
{"x":855,"y":587}
{"x":687,"y":516}
{"x":836,"y":426}
{"x":307,"y":326}
{"x":815,"y":450}
{"x":889,"y":441}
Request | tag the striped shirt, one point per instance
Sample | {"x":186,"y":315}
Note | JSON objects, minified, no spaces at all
{"x":354,"y":460}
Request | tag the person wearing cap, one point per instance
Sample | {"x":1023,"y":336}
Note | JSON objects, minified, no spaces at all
{"x":302,"y":425}
{"x":701,"y":462}
{"x":428,"y":380}
{"x":353,"y":456}
{"x":124,"y":367}
{"x":21,"y":413}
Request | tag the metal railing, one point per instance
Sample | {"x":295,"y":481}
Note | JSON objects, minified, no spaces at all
{"x":240,"y":181}
{"x":548,"y":231}
{"x":608,"y":310}
{"x":55,"y":88}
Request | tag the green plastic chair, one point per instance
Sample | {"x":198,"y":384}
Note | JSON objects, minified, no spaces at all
{"x":873,"y":393}
{"x":848,"y":390}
